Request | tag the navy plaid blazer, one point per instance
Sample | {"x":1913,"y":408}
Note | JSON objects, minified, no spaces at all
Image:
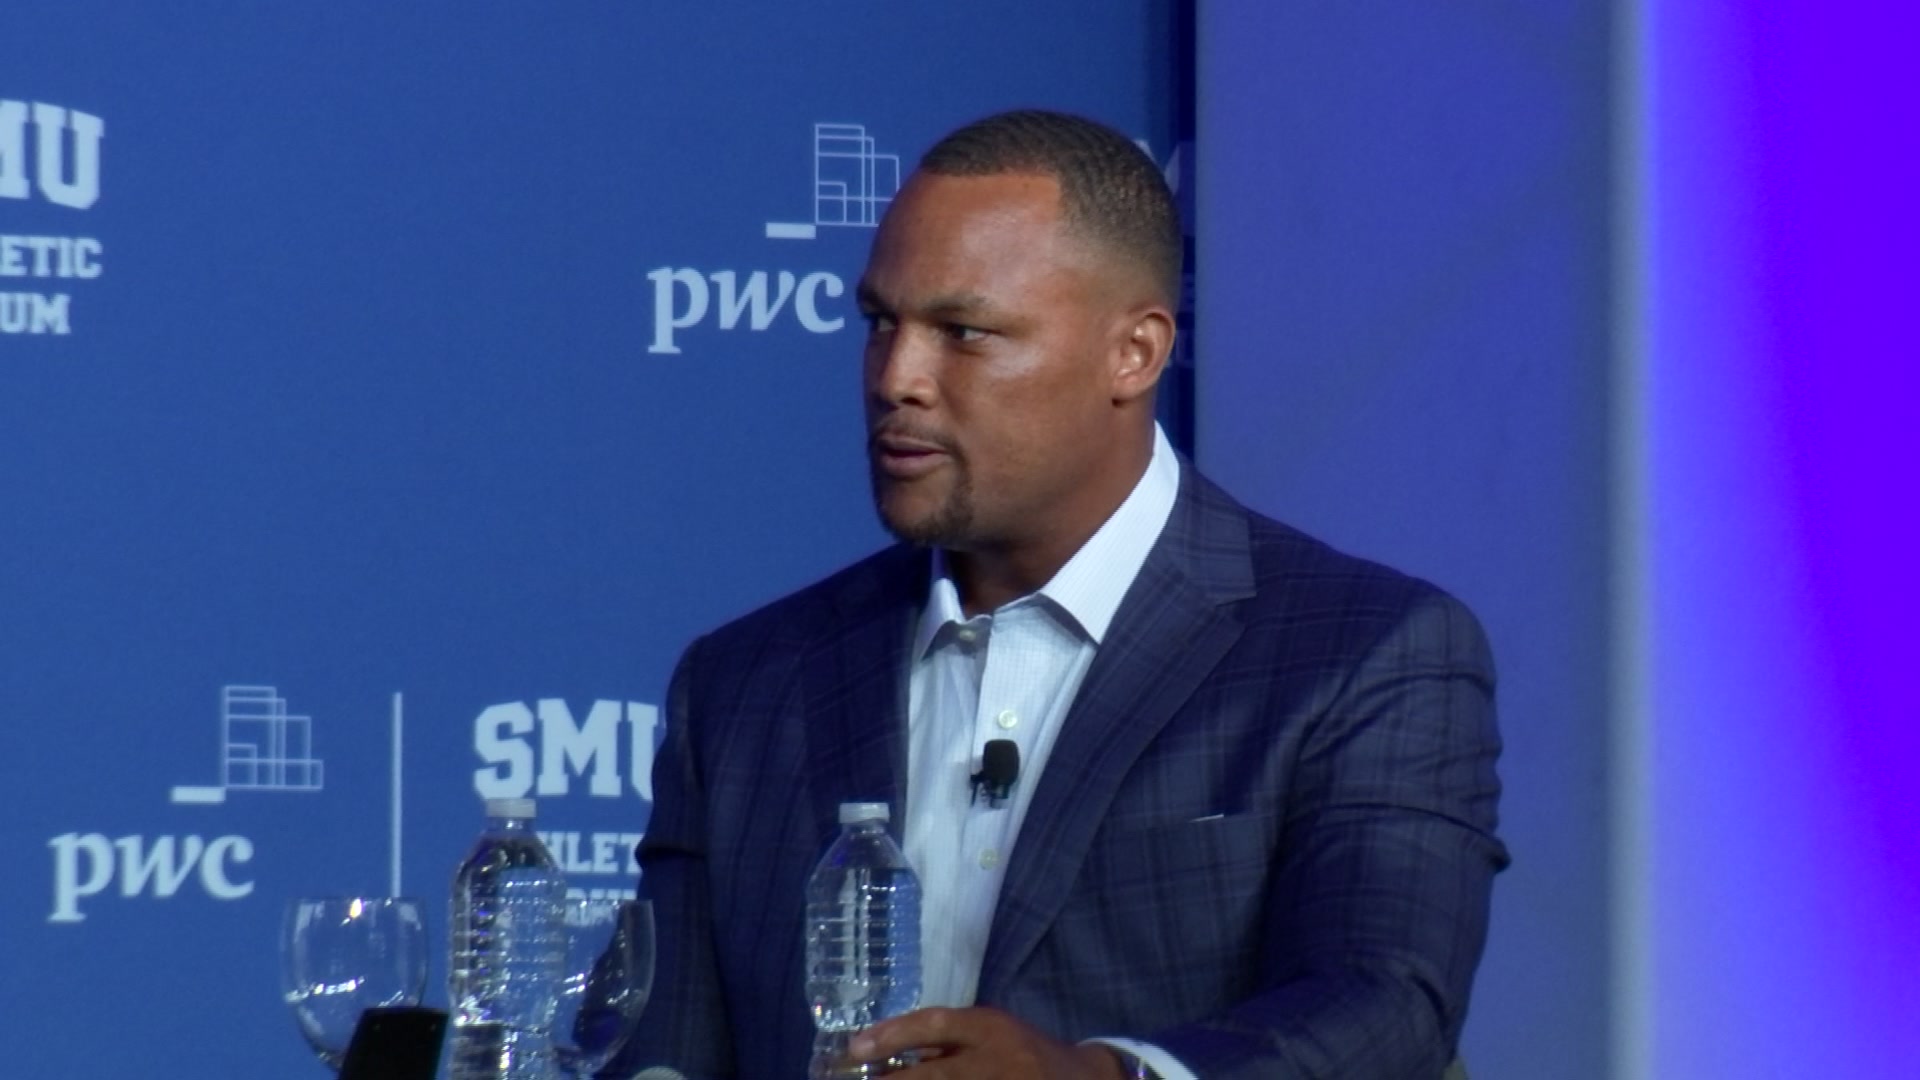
{"x":1264,"y":840}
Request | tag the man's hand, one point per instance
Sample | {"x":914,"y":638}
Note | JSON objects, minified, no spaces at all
{"x":982,"y":1044}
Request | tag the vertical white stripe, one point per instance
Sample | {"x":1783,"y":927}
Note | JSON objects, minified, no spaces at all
{"x":394,"y":889}
{"x":1630,"y":891}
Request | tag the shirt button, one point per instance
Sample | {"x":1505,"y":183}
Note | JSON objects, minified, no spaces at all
{"x":1007,"y":719}
{"x":989,"y":859}
{"x":966,"y":635}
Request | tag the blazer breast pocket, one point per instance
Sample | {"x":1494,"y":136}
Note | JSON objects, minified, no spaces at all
{"x":1184,"y":904}
{"x":1222,"y":853}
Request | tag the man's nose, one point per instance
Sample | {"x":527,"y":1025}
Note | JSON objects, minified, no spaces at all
{"x":900,"y":369}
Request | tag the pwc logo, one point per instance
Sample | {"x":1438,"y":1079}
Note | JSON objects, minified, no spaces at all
{"x":852,"y":184}
{"x":264,"y":748}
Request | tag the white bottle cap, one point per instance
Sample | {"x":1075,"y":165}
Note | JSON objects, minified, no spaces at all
{"x":517,"y":809}
{"x":851,"y":812}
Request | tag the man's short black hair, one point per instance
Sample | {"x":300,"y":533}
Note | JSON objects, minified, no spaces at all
{"x":1111,"y":192}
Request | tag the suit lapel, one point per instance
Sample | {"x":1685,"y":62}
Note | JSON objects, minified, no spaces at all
{"x":1169,"y":633}
{"x":856,"y":692}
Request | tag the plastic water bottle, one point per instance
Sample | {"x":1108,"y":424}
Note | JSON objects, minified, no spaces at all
{"x":508,"y":951}
{"x":863,"y":936}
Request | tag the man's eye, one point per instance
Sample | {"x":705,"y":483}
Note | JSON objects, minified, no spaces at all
{"x":962,"y":333}
{"x":876,"y":322}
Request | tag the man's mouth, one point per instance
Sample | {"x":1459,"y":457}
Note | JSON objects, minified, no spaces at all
{"x":903,"y":457}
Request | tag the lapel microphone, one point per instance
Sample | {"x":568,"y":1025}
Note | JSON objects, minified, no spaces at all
{"x":999,"y":768}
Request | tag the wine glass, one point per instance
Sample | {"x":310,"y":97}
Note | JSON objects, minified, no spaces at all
{"x":605,"y":984}
{"x":340,"y":956}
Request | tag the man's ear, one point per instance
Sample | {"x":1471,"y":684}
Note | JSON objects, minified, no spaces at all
{"x":1141,"y":353}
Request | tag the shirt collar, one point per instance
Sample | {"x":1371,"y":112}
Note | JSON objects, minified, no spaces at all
{"x":1089,"y":588}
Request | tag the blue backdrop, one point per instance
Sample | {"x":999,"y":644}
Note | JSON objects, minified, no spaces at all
{"x":387,"y":394}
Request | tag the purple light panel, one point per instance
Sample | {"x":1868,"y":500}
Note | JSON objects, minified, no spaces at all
{"x":1779,"y":181}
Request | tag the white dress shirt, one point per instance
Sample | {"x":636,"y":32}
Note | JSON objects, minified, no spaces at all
{"x":1008,"y":674}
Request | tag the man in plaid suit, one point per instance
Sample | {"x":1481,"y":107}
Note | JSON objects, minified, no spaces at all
{"x":1255,"y":818}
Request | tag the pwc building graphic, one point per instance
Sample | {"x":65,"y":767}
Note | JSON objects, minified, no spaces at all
{"x":852,"y":183}
{"x":263,"y":747}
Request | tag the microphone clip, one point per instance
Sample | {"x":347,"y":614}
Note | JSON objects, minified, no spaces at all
{"x":999,"y":768}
